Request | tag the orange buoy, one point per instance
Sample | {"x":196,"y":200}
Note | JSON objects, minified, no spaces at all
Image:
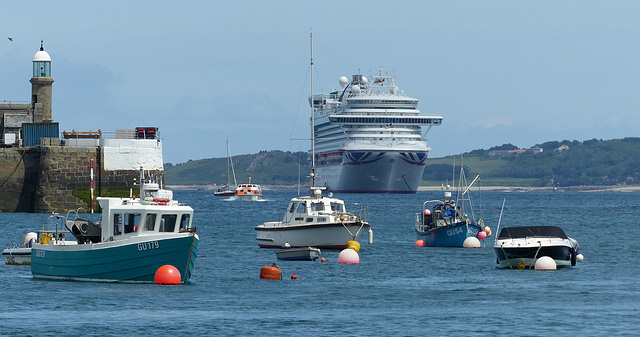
{"x":167,"y":274}
{"x":323,"y":260}
{"x":421,"y":243}
{"x":294,"y":277}
{"x":271,"y":273}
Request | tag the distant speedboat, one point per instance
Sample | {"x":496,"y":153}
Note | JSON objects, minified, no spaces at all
{"x":134,"y":238}
{"x":252,"y":192}
{"x":445,"y":223}
{"x":521,"y":247}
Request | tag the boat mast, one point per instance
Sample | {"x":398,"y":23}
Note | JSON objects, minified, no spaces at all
{"x":230,"y":167}
{"x":313,"y":136}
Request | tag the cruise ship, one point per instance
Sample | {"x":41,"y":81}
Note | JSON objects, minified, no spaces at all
{"x":369,"y":137}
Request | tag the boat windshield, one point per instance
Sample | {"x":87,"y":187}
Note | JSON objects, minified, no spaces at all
{"x":529,"y":231}
{"x":317,"y":206}
{"x":150,"y":222}
{"x":184,"y":222}
{"x":337,"y":207}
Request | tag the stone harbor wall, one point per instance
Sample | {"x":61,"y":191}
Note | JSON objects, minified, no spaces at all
{"x":43,"y":179}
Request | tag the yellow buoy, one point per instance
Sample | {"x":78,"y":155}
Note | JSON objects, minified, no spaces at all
{"x":355,"y":245}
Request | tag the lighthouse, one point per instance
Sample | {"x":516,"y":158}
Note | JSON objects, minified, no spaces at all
{"x":41,"y":84}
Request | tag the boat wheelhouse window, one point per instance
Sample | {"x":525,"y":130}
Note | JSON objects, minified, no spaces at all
{"x":293,"y":208}
{"x":117,"y":224}
{"x":150,"y":222}
{"x":168,"y":223}
{"x":302,"y":208}
{"x":337,"y":207}
{"x":131,"y":221}
{"x":184,"y":221}
{"x":317,"y":206}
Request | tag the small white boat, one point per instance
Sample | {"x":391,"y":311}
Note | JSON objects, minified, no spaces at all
{"x":17,"y":255}
{"x":521,"y":247}
{"x":20,"y":254}
{"x":302,"y":253}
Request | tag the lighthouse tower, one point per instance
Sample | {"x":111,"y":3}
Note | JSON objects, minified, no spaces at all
{"x":41,"y":84}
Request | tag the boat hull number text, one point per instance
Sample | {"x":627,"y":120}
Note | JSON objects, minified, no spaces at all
{"x":148,"y":245}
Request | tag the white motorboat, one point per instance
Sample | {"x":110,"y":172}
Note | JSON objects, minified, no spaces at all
{"x":315,"y":220}
{"x":521,"y":247}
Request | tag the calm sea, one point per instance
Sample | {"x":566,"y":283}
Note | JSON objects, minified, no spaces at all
{"x":395,"y":290}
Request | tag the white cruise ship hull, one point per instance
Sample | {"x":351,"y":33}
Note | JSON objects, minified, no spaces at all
{"x":374,"y":172}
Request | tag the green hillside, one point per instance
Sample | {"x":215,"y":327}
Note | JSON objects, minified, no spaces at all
{"x":266,"y":167}
{"x":566,"y":163}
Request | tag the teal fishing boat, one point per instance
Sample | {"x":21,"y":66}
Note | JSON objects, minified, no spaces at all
{"x":133,"y":238}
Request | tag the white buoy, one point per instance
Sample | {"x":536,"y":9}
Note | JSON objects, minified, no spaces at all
{"x":545,"y":263}
{"x":348,"y":256}
{"x":370,"y":236}
{"x":579,"y":258}
{"x":471,"y":242}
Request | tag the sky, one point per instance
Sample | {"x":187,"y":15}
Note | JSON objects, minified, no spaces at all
{"x":204,"y":72}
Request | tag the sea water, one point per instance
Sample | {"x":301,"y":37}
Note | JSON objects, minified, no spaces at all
{"x":397,"y":289}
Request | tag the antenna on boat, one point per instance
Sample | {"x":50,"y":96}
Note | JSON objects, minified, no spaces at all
{"x":313,"y":136}
{"x":500,"y":219}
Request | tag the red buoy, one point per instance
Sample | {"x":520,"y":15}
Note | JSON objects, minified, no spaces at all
{"x":167,"y":274}
{"x":421,"y":243}
{"x":322,"y":259}
{"x":270,"y":273}
{"x":294,"y":277}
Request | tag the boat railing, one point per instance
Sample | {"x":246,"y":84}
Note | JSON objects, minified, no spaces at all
{"x":360,"y":211}
{"x":49,"y":233}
